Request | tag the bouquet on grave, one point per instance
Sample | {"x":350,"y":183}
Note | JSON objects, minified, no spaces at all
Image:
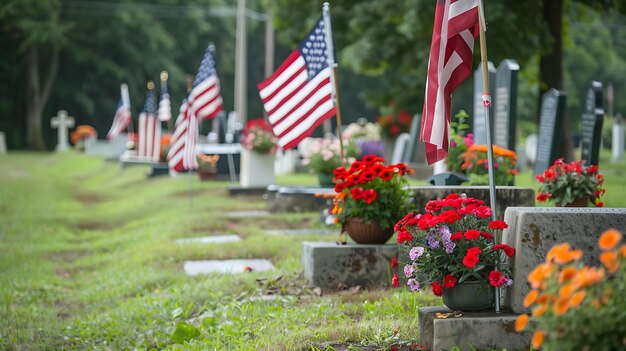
{"x":476,"y":165}
{"x":564,"y":182}
{"x":460,"y":141}
{"x":259,"y":137}
{"x":322,"y":155}
{"x":451,"y":243}
{"x":578,"y":307}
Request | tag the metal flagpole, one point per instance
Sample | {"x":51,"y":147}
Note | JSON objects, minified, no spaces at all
{"x":487,"y":104}
{"x":331,"y":63}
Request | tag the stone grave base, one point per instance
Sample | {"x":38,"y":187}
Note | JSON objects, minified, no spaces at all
{"x":214,"y":239}
{"x":330,"y":265}
{"x":481,"y":330}
{"x":297,"y":199}
{"x":227,"y":266}
{"x":235,"y":190}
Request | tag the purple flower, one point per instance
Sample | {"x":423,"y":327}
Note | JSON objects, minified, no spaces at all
{"x":445,"y":233}
{"x":413,"y":284}
{"x":449,"y":245}
{"x":509,"y":283}
{"x":432,"y":241}
{"x":408,"y":270}
{"x":416,"y":253}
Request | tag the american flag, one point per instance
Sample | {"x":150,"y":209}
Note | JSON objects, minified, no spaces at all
{"x":149,"y":130}
{"x":122,"y":118}
{"x":298,"y":96}
{"x":203,"y":102}
{"x":450,"y":63}
{"x":164,"y":112}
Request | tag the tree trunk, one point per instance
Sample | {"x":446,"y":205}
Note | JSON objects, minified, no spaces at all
{"x":551,"y":67}
{"x":36,"y":96}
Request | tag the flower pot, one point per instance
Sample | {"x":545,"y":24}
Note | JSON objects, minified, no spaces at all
{"x":578,"y":202}
{"x":469,"y":296}
{"x":257,"y":169}
{"x":206,"y":174}
{"x":325,"y":180}
{"x":367,"y":233}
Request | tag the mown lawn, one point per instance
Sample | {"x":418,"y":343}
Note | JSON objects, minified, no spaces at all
{"x":88,"y":261}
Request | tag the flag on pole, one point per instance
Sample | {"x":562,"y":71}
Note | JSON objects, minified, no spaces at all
{"x":450,"y":63}
{"x":122,"y":118}
{"x":164,"y":112}
{"x":298,"y":96}
{"x":203,"y":102}
{"x":149,"y":130}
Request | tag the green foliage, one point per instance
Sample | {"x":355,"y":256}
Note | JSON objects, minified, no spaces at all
{"x":323,"y":155}
{"x":460,"y":140}
{"x":185,"y":332}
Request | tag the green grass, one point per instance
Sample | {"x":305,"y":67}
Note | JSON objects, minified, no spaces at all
{"x":88,"y":263}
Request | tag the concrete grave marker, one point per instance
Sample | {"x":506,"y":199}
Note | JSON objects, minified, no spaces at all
{"x":214,"y":239}
{"x":617,"y":141}
{"x":3,"y":144}
{"x":478,"y":120}
{"x":226,"y":266}
{"x":551,"y":117}
{"x":62,"y":122}
{"x":249,"y":213}
{"x":302,"y":231}
{"x":592,"y":124}
{"x":505,"y":115}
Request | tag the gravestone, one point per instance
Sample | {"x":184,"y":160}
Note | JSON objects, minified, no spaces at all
{"x":3,"y":144}
{"x":505,"y":115}
{"x":62,"y":122}
{"x":618,"y":138}
{"x":227,"y":266}
{"x":550,"y":119}
{"x":477,"y":123}
{"x":592,"y":124}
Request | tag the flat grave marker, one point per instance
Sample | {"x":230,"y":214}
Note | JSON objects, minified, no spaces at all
{"x":247,"y":213}
{"x":227,"y":266}
{"x":214,"y":239}
{"x":551,"y":117}
{"x":301,"y":231}
{"x":592,"y":124}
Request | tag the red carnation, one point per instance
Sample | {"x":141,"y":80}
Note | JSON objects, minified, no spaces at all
{"x":404,"y":236}
{"x":496,"y":278}
{"x":456,"y":236}
{"x":470,"y":261}
{"x":509,"y":251}
{"x":449,"y":216}
{"x":340,"y":186}
{"x":357,"y":193}
{"x":437,"y":289}
{"x":483,"y":211}
{"x":472,"y":234}
{"x":369,"y":195}
{"x":394,"y":281}
{"x":486,"y":235}
{"x":449,"y":281}
{"x":452,"y":196}
{"x":394,"y":262}
{"x":498,"y":224}
{"x":474,"y":251}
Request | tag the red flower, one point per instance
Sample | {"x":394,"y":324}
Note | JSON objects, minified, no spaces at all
{"x":472,"y":234}
{"x":452,"y":196}
{"x":377,"y":168}
{"x":468,"y":209}
{"x":369,"y":159}
{"x":470,"y":261}
{"x":599,"y":204}
{"x":394,"y":281}
{"x":483,"y":211}
{"x":541,"y":197}
{"x":394,"y":262}
{"x":449,"y":281}
{"x":426,"y":221}
{"x":540,"y":178}
{"x":509,"y":251}
{"x":404,"y":236}
{"x":340,"y":186}
{"x":369,"y":195}
{"x":456,"y":236}
{"x":496,"y":278}
{"x":592,"y":169}
{"x":386,"y":174}
{"x":437,"y":289}
{"x":357,"y":193}
{"x":498,"y":224}
{"x":474,"y":251}
{"x":367,"y":176}
{"x":486,"y":235}
{"x":449,"y":216}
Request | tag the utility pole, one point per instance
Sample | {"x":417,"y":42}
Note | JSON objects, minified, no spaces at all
{"x":241,"y":64}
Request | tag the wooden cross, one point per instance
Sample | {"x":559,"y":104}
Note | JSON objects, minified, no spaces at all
{"x":62,"y":122}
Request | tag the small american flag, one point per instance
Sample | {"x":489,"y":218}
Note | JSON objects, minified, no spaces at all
{"x":122,"y":118}
{"x":298,"y":96}
{"x":203,"y":102}
{"x":149,"y":130}
{"x":165,"y":110}
{"x":450,"y":63}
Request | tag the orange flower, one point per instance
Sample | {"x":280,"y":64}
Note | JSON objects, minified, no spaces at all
{"x":536,"y":277}
{"x":530,"y":298}
{"x":588,"y":276}
{"x":520,"y":323}
{"x":538,"y":338}
{"x":561,"y":254}
{"x":622,"y":251}
{"x":561,"y":306}
{"x":556,"y":250}
{"x":540,"y":310}
{"x":165,"y":140}
{"x":567,"y":274}
{"x":577,"y":298}
{"x":566,"y":291}
{"x":609,"y":239}
{"x":542,"y":299}
{"x":610,"y":261}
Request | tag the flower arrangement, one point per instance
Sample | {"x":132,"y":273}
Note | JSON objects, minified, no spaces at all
{"x":395,"y":123}
{"x":371,"y":190}
{"x":367,"y":137}
{"x":476,"y":165}
{"x":259,"y":137}
{"x":82,"y":133}
{"x":460,"y":140}
{"x":451,"y":243}
{"x":564,"y":182}
{"x":577,"y":307}
{"x":207,"y":162}
{"x":164,"y":147}
{"x":322,"y":155}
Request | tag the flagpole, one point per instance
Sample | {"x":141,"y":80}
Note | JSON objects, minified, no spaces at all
{"x":189,"y":80}
{"x":487,"y":103}
{"x":331,"y":63}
